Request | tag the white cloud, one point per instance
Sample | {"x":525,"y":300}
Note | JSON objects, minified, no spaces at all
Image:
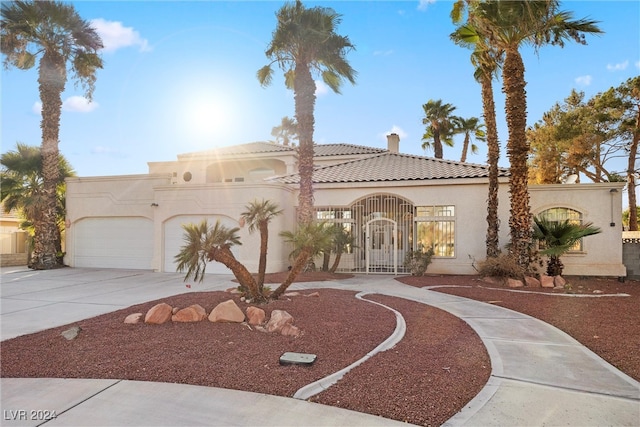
{"x":397,"y":130}
{"x":423,"y":4}
{"x":321,"y":88}
{"x":115,"y":36}
{"x":79,"y":104}
{"x":74,"y":104}
{"x":584,"y":80}
{"x":618,"y":67}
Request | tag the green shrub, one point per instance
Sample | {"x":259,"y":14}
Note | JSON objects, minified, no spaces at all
{"x":504,"y":265}
{"x":418,"y":261}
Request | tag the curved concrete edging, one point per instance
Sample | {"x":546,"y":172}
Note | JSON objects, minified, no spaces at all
{"x":324,"y":383}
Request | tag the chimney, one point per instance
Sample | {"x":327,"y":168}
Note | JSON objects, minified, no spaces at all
{"x":393,"y":143}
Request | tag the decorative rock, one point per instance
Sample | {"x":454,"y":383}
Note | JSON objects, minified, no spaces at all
{"x":559,"y":281}
{"x":71,"y":333}
{"x":513,"y":283}
{"x":175,"y":310}
{"x":314,"y":294}
{"x":278,"y":319}
{"x":193,"y":313}
{"x":133,"y":318}
{"x":255,"y":315}
{"x":546,"y":281}
{"x":493,"y":280}
{"x":159,"y":313}
{"x":227,"y":311}
{"x":531,"y":282}
{"x":290,"y":330}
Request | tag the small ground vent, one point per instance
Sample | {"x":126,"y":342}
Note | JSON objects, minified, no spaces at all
{"x":297,"y":359}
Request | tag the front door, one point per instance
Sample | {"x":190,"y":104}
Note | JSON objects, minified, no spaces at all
{"x":381,"y":253}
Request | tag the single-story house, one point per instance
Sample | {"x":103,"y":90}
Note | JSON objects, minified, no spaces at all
{"x":390,"y":202}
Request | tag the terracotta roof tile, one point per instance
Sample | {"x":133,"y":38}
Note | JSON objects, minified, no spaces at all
{"x":393,"y":167}
{"x":322,"y":150}
{"x":241,"y":149}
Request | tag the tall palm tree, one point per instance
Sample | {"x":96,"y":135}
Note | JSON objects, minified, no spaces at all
{"x":438,"y":119}
{"x":21,"y":187}
{"x":305,"y":43}
{"x":469,"y":127}
{"x":204,"y":244}
{"x":487,"y":62}
{"x":258,"y":215}
{"x":285,"y":131}
{"x":557,"y":238}
{"x":59,"y":36}
{"x":508,"y":25}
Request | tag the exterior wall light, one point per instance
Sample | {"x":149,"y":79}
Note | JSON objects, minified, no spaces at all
{"x":612,"y":192}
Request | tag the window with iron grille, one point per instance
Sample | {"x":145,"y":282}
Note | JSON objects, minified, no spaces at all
{"x":435,"y":228}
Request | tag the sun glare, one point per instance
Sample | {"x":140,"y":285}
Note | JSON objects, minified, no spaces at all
{"x":207,"y":116}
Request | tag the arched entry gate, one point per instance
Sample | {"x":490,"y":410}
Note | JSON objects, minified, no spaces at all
{"x":381,"y":226}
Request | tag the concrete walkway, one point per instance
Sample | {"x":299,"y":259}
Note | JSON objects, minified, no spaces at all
{"x":540,"y":375}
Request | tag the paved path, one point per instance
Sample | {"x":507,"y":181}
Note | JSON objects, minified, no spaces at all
{"x":540,"y":375}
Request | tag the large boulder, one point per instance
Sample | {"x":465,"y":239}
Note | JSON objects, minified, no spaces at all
{"x":255,"y":315}
{"x":279,"y":318}
{"x":193,"y":313}
{"x":227,"y":311}
{"x":158,"y":314}
{"x":559,"y":282}
{"x":514,"y":283}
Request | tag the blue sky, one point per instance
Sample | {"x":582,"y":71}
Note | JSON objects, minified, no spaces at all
{"x":180,"y":76}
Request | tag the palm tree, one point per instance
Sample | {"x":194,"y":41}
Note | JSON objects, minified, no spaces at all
{"x":557,"y":238}
{"x":305,"y":42}
{"x":308,"y":241}
{"x":469,"y":127}
{"x":258,"y":215}
{"x":438,"y":119}
{"x":487,"y":62}
{"x":342,"y":239}
{"x":55,"y":32}
{"x":285,"y":131}
{"x":507,"y":25}
{"x":204,"y":244}
{"x":21,"y":187}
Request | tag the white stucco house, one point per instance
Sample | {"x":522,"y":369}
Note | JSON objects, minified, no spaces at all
{"x":391,"y":202}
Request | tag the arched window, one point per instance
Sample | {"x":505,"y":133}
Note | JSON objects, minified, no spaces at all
{"x":563,"y":214}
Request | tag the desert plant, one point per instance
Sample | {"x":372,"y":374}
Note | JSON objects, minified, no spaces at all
{"x":503,"y":265}
{"x":557,"y":238}
{"x":417,"y":261}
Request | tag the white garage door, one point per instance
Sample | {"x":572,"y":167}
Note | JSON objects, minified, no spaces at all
{"x":174,"y":240}
{"x":114,"y":243}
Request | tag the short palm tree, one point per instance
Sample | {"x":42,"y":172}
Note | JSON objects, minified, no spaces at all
{"x":469,"y":127}
{"x":55,"y":32}
{"x":308,"y":241}
{"x":508,"y":25}
{"x":21,"y":187}
{"x":438,"y":119}
{"x":258,"y":215}
{"x":342,"y":239}
{"x":557,"y":238}
{"x":203,"y":244}
{"x":305,"y":42}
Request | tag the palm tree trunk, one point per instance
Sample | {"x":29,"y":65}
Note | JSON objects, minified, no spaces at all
{"x":493,"y":156}
{"x":224,"y":256}
{"x":518,"y":151}
{"x":631,"y":177}
{"x":336,"y":262}
{"x":305,"y":98}
{"x":51,"y":79}
{"x":299,"y":263}
{"x":437,"y":144}
{"x":262,"y":262}
{"x":465,"y":148}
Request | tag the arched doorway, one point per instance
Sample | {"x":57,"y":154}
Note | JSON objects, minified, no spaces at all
{"x":381,"y":249}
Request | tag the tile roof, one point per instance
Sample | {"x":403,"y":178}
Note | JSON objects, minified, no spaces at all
{"x":393,"y":167}
{"x":241,"y":149}
{"x":321,"y":150}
